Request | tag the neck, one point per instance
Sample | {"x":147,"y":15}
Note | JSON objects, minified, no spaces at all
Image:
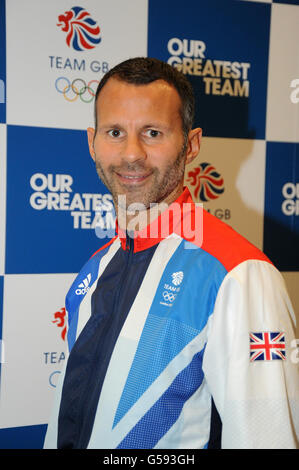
{"x":136,"y":220}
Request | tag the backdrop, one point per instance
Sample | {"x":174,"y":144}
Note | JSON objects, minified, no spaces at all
{"x":242,"y":59}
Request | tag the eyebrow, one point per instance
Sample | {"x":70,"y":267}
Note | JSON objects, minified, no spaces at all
{"x":155,"y":125}
{"x":149,"y":125}
{"x":110,"y":126}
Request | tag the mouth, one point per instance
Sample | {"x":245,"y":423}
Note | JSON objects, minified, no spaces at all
{"x":132,"y":178}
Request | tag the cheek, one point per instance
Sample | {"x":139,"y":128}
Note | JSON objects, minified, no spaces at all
{"x":165,"y":155}
{"x":103,"y":153}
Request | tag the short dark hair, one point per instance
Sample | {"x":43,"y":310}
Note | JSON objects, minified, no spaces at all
{"x":144,"y":70}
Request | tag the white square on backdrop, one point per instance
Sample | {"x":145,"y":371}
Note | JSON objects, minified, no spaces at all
{"x":282,"y":111}
{"x":34,"y":349}
{"x":241,"y":165}
{"x":40,"y":56}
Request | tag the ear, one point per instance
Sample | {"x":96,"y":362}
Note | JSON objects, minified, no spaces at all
{"x":194,"y":140}
{"x":90,"y":137}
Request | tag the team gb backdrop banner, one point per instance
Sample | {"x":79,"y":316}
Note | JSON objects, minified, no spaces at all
{"x":242,"y":60}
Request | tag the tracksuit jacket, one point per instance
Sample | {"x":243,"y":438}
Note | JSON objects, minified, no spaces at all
{"x":178,"y":339}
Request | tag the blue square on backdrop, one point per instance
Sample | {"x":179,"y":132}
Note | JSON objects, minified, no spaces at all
{"x":2,"y":63}
{"x":287,"y":2}
{"x":52,"y":190}
{"x":23,"y":437}
{"x":223,"y":48}
{"x":281,"y":215}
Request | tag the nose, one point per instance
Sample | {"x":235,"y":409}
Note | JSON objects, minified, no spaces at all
{"x":134,"y":149}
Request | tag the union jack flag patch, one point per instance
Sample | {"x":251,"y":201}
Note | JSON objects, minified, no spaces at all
{"x":267,"y":346}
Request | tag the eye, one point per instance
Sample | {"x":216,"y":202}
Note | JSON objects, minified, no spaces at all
{"x":153,"y":133}
{"x":114,"y":133}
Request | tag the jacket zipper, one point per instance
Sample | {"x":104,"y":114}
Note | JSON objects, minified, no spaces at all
{"x":130,"y":249}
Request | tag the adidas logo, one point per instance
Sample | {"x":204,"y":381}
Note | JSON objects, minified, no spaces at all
{"x":177,"y":278}
{"x":83,"y":287}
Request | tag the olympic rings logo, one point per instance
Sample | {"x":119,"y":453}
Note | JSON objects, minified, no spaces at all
{"x":169,"y":296}
{"x":78,"y":88}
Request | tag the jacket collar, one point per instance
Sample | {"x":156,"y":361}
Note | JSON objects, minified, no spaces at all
{"x":167,"y":223}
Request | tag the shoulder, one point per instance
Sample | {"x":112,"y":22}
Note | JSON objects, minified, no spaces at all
{"x":87,"y":275}
{"x":226,"y":244}
{"x":215,"y":237}
{"x":103,"y":250}
{"x":79,"y":294}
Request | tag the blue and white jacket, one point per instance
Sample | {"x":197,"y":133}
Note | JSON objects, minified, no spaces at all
{"x":178,"y":342}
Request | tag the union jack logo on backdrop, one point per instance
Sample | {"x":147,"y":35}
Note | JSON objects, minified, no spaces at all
{"x":267,"y":346}
{"x":83,"y":32}
{"x":60,"y":321}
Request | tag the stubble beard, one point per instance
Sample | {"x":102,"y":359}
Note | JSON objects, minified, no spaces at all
{"x":161,"y":187}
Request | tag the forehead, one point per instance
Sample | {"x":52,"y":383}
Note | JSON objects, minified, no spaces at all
{"x":120,"y":99}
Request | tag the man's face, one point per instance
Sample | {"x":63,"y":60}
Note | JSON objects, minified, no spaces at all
{"x":138,"y":147}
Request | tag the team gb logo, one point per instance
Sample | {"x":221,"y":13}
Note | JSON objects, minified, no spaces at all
{"x":83,"y":32}
{"x":207,"y":182}
{"x":177,"y":278}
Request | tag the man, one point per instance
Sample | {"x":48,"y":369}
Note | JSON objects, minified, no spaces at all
{"x":184,"y":338}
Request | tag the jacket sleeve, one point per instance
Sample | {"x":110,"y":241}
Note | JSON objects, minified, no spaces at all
{"x":257,"y":400}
